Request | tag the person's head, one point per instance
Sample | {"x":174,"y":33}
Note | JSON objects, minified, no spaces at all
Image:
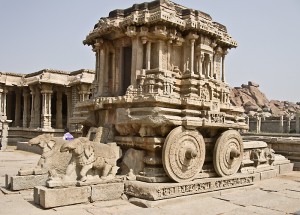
{"x":66,"y":130}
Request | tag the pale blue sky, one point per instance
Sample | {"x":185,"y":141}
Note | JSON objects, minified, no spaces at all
{"x":37,"y":34}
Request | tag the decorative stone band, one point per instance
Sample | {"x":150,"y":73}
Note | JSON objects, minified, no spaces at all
{"x":156,"y":191}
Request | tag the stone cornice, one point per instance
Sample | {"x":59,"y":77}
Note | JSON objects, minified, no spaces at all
{"x":12,"y":74}
{"x":46,"y":70}
{"x":51,"y":76}
{"x":82,"y":71}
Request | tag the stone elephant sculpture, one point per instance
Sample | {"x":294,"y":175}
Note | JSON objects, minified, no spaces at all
{"x":52,"y":160}
{"x":91,"y":158}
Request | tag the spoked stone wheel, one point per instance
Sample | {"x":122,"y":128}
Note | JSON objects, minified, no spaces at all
{"x":228,"y":153}
{"x":183,"y":154}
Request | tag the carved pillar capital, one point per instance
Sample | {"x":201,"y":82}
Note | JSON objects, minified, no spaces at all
{"x":98,"y":45}
{"x":46,"y":88}
{"x":131,"y":31}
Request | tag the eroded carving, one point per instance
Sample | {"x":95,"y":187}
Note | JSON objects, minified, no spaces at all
{"x":52,"y":160}
{"x":87,"y":156}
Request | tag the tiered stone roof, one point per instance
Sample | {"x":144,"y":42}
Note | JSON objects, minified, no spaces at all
{"x":162,"y":12}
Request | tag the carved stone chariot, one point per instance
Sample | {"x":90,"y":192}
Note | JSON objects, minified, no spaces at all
{"x":160,"y":95}
{"x":160,"y":87}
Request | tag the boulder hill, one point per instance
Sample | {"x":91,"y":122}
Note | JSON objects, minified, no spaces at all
{"x":255,"y":102}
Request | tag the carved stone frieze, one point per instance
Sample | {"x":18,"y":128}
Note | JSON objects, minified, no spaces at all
{"x":172,"y":190}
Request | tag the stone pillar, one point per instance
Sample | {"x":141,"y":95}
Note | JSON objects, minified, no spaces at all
{"x":148,"y":56}
{"x":37,"y":108}
{"x":169,"y":55}
{"x":1,"y":101}
{"x":160,"y":54}
{"x":201,"y":65}
{"x":137,"y":59}
{"x":5,"y":91}
{"x":59,"y":123}
{"x":98,"y":49}
{"x":69,"y":105}
{"x":18,"y":108}
{"x":223,"y":65}
{"x":26,"y":113}
{"x":46,"y":106}
{"x":32,"y":118}
{"x":281,"y":125}
{"x":101,"y":72}
{"x":258,"y":124}
{"x":10,"y":110}
{"x":288,"y":126}
{"x":210,"y":70}
{"x":247,"y":118}
{"x":297,"y":123}
{"x":4,"y":132}
{"x":192,"y":55}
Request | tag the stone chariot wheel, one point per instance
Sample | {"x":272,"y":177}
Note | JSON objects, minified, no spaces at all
{"x":183,"y":154}
{"x":228,"y":153}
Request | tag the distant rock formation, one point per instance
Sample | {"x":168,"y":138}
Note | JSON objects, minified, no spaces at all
{"x":256,"y":103}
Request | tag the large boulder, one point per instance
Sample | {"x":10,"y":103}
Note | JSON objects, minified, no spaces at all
{"x":254,"y":101}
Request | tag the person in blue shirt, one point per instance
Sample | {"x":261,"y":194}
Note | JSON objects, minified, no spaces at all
{"x":67,"y":135}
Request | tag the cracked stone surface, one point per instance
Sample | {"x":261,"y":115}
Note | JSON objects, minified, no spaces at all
{"x":275,"y":196}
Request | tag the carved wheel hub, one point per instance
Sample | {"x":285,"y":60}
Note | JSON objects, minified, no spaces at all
{"x":228,"y":153}
{"x":183,"y":154}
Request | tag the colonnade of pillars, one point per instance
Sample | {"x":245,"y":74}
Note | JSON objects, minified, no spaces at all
{"x":34,"y":110}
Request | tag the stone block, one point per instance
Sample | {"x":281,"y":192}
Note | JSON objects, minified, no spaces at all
{"x":268,"y":174}
{"x":50,"y":198}
{"x":105,"y":192}
{"x":27,"y":182}
{"x":36,"y":194}
{"x":23,"y":172}
{"x":256,"y":177}
{"x":284,"y":168}
{"x":7,"y":181}
{"x":276,"y":167}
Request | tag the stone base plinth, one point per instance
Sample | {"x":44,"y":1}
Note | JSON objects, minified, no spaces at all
{"x":158,"y":191}
{"x":284,"y":168}
{"x":105,"y":192}
{"x":56,"y":197}
{"x":268,"y":174}
{"x":25,"y":182}
{"x":49,"y":198}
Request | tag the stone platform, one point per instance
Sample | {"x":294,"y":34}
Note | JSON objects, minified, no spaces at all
{"x":158,"y":191}
{"x":279,"y":195}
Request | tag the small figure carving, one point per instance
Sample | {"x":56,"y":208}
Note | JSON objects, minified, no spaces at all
{"x":205,"y":94}
{"x":259,"y":156}
{"x":51,"y":157}
{"x":90,"y":158}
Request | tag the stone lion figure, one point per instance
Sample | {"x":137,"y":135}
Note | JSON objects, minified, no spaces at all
{"x":91,"y":158}
{"x":52,"y":160}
